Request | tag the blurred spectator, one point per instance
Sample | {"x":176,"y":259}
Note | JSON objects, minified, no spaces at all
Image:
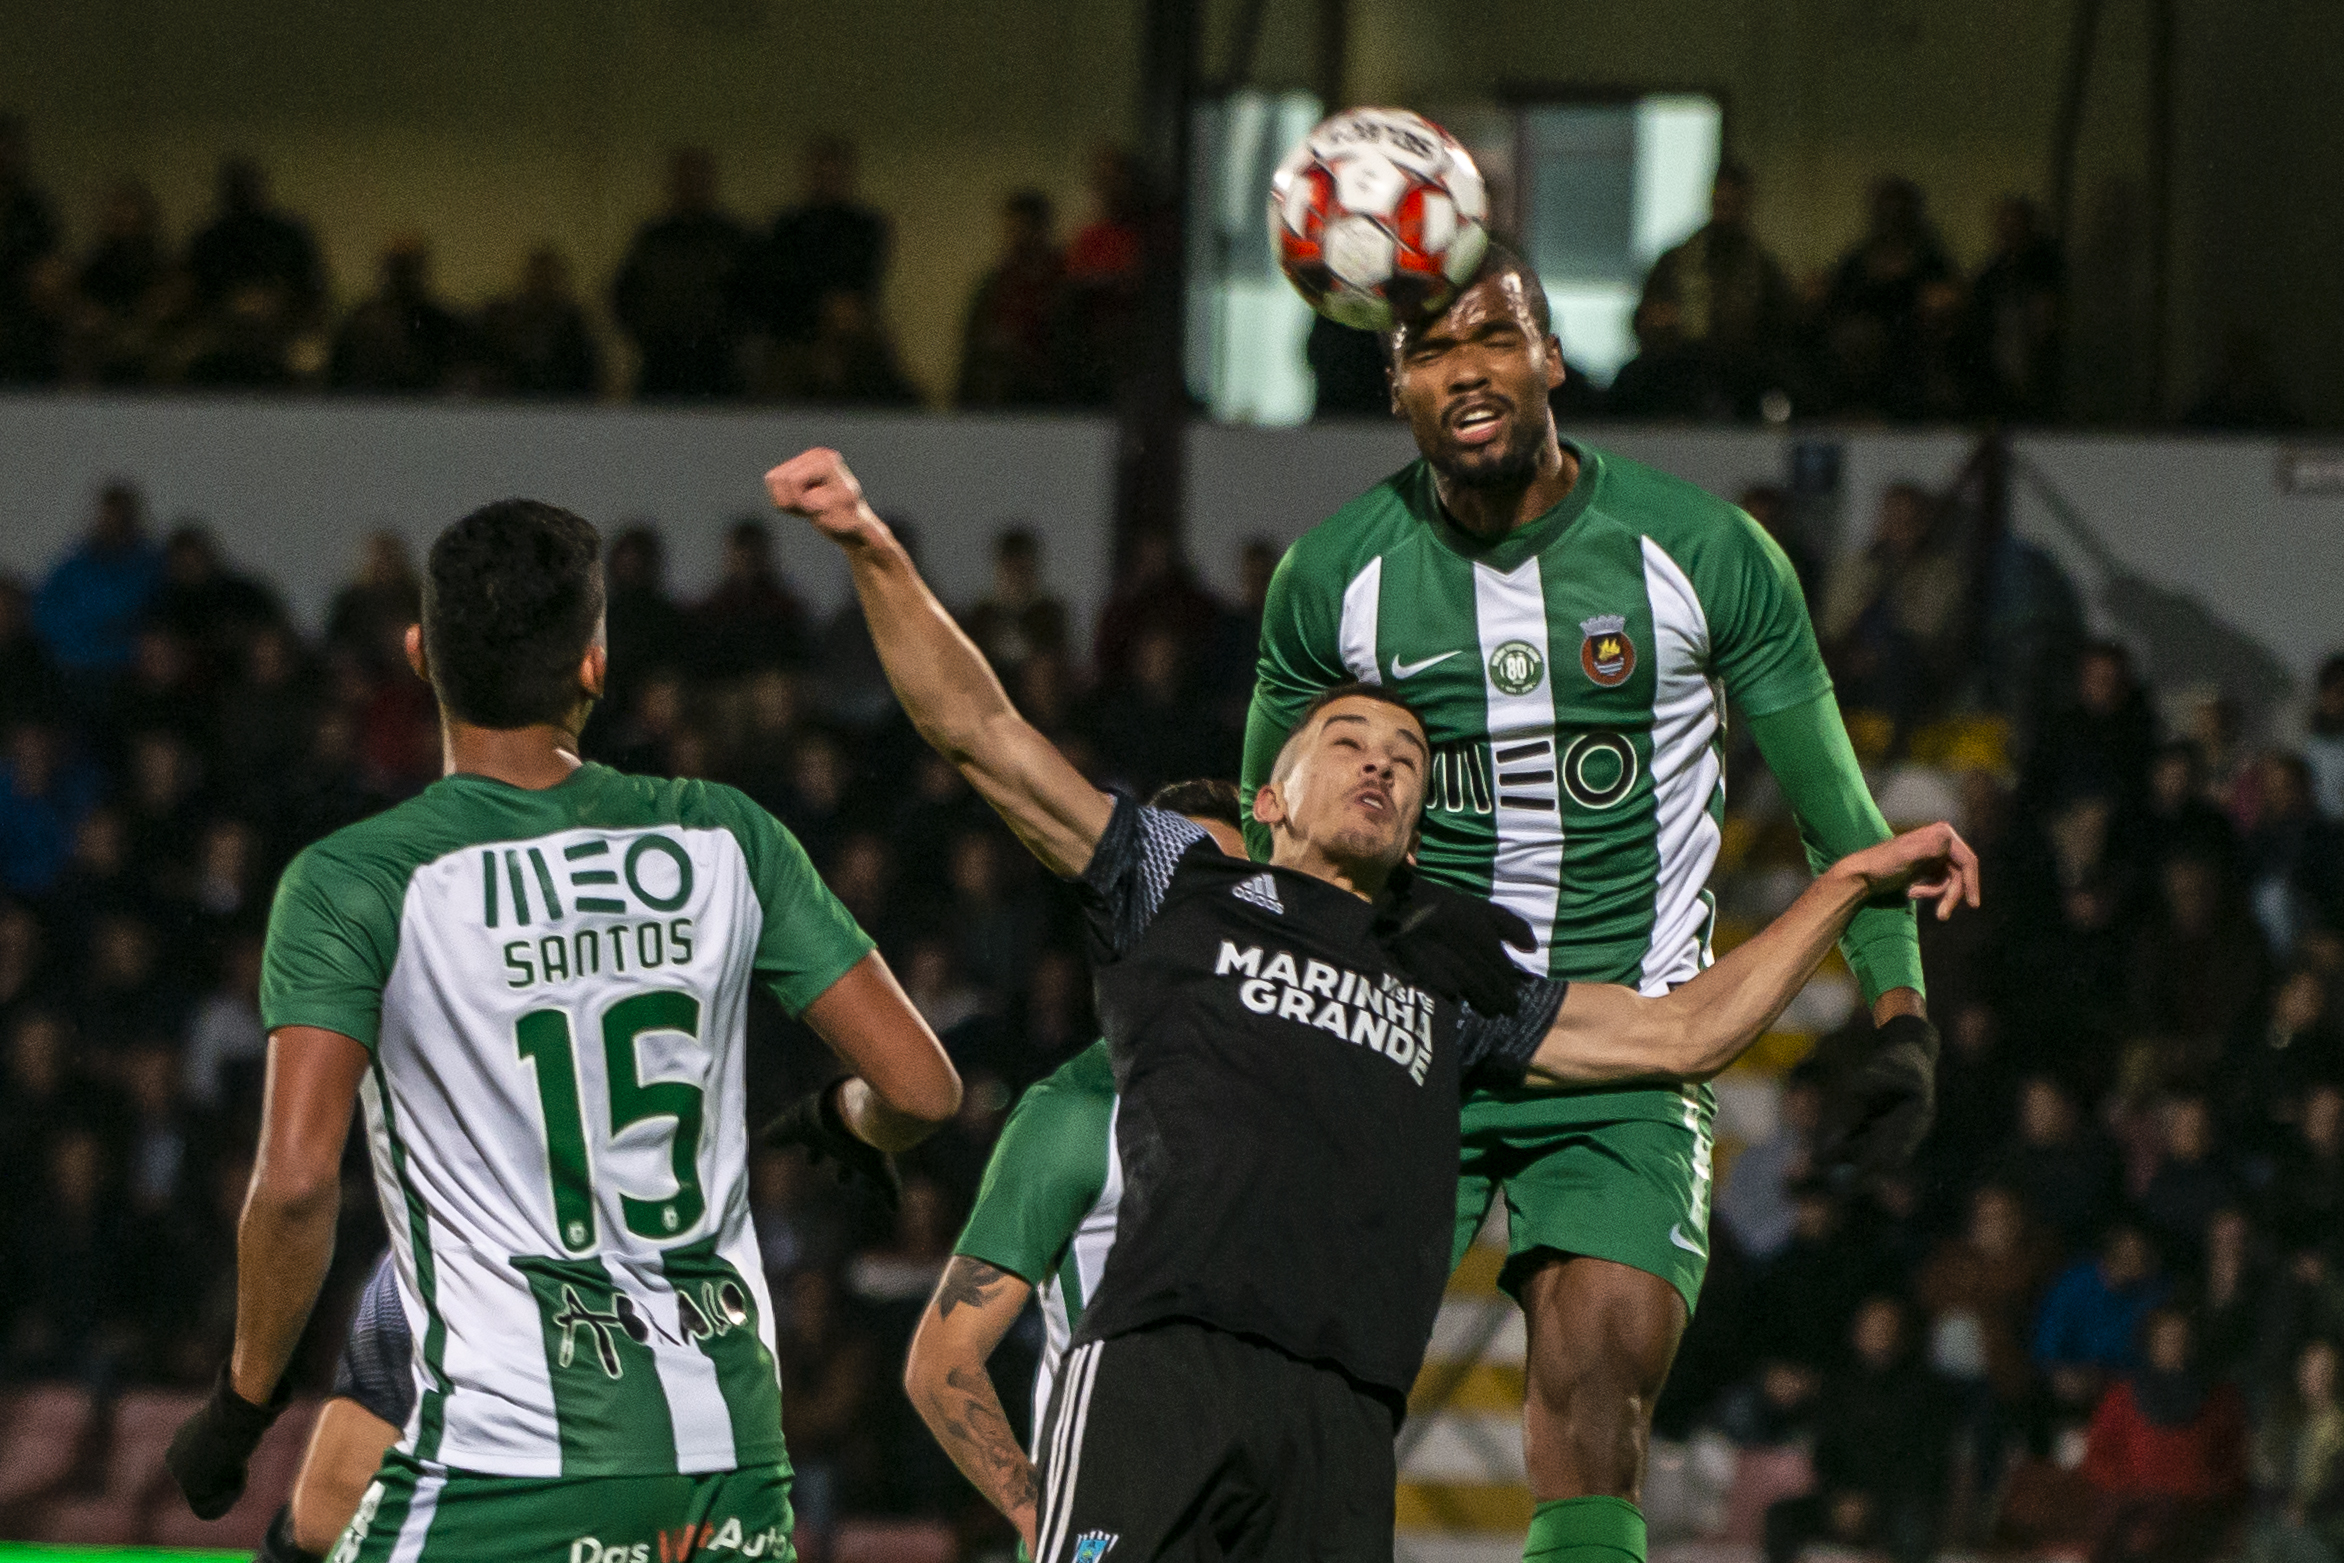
{"x":123,"y":292}
{"x":2298,"y":1467}
{"x":1982,"y":1287}
{"x":2088,"y":1327}
{"x":1891,"y":612}
{"x":1881,"y":1439}
{"x":1103,"y":267}
{"x":2190,"y":1179}
{"x":2294,"y":857}
{"x":90,"y":607}
{"x":2177,"y":821}
{"x":829,"y":243}
{"x":849,"y":361}
{"x":645,"y":631}
{"x":1227,"y":666}
{"x":226,"y":1041}
{"x":680,"y":290}
{"x":1730,"y":298}
{"x":2197,"y":967}
{"x":833,"y":1370}
{"x":903,"y":1271}
{"x":2102,"y":745}
{"x":1347,"y":368}
{"x":2245,"y":392}
{"x":753,"y":619}
{"x":2016,"y":308}
{"x":1771,"y":506}
{"x":29,"y":236}
{"x":368,"y":618}
{"x":1672,"y":377}
{"x":1872,"y":312}
{"x":28,"y":681}
{"x":1808,"y":1292}
{"x":257,"y":282}
{"x":66,"y":1268}
{"x":2304,"y":1202}
{"x":1155,"y":590}
{"x":2228,"y":1298}
{"x":2167,"y":1451}
{"x":1149,"y":722}
{"x":1756,"y":1203}
{"x":1009,"y":344}
{"x":1018,"y":618}
{"x":2323,"y":739}
{"x":213,"y":609}
{"x":401,"y":341}
{"x":535,"y":341}
{"x":266,"y":718}
{"x":45,"y":791}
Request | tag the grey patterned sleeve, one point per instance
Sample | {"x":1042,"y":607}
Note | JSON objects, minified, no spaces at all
{"x":1130,"y":870}
{"x":1495,"y":1050}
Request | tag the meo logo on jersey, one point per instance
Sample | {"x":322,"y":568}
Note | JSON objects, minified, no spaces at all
{"x":1607,"y":655}
{"x":1093,"y":1545}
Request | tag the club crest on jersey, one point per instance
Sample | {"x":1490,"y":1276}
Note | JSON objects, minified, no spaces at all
{"x":1093,"y":1545}
{"x":1607,"y":655}
{"x":1516,"y":667}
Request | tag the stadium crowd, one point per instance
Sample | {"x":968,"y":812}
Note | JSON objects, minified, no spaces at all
{"x":2112,"y":1285}
{"x":711,"y":306}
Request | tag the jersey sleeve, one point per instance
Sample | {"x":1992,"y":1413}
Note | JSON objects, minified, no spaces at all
{"x":1495,"y":1050}
{"x":1761,"y":642}
{"x":1046,"y":1171}
{"x":1300,"y":655}
{"x":810,"y":939}
{"x":1807,"y":749}
{"x":333,"y":934}
{"x":1130,"y":871}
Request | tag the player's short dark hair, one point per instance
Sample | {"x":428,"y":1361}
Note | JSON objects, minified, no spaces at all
{"x":1352,"y":690}
{"x":1205,"y":797}
{"x":1500,"y":260}
{"x":512,"y":597}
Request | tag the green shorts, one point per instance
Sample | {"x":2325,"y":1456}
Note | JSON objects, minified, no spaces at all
{"x":1631,"y":1190}
{"x":424,"y":1514}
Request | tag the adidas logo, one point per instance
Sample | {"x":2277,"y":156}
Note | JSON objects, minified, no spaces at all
{"x":1261,"y":891}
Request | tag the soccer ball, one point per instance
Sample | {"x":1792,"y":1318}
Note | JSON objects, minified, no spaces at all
{"x":1380,"y":217}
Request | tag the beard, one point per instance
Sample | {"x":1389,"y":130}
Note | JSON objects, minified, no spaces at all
{"x":1511,"y":463}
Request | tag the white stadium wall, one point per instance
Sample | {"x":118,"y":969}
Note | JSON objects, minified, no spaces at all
{"x":2193,"y":550}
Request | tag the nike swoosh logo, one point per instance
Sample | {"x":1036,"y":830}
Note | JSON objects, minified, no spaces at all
{"x":1676,"y":1235}
{"x":1411,"y":669}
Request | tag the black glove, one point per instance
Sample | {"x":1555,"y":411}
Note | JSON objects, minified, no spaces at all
{"x":1877,"y":1107}
{"x":1453,"y":945}
{"x":278,"y":1546}
{"x":813,"y":1122}
{"x":209,"y":1453}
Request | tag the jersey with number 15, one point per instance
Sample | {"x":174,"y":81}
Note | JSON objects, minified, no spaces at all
{"x":552,"y":985}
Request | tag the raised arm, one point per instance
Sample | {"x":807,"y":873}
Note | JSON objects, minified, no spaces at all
{"x":1605,"y":1033}
{"x":941,"y":679}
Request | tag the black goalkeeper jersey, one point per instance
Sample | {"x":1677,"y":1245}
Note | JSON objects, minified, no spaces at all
{"x":1288,"y":1104}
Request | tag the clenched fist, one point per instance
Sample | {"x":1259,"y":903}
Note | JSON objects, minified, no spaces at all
{"x":817,"y":484}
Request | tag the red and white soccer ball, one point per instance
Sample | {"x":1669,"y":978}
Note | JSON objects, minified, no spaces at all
{"x":1380,"y":216}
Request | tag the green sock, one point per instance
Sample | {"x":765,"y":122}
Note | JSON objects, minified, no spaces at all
{"x":1585,"y":1530}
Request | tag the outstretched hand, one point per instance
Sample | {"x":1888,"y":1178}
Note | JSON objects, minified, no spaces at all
{"x":1932,"y":863}
{"x":818,"y":485}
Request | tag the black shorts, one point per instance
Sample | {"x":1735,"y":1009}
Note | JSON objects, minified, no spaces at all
{"x":1188,"y":1443}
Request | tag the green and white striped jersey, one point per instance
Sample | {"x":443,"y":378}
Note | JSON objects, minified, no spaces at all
{"x":1046,"y":1209}
{"x":1573,"y":676}
{"x":553,"y":985}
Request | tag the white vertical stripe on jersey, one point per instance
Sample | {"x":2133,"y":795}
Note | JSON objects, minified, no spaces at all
{"x":1094,"y":1238}
{"x":1526,"y":871}
{"x":1685,"y":706}
{"x":1362,"y":602}
{"x":415,"y":1527}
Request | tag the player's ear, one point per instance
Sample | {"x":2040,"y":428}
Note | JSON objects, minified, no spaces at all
{"x":594,"y":671}
{"x":1555,"y":372}
{"x":1268,"y":806}
{"x":413,"y":642}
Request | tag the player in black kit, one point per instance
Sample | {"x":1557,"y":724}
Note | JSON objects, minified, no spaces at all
{"x":374,"y":1390}
{"x":1289,"y":1048}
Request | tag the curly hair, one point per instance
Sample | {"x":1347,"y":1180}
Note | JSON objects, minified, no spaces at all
{"x":511,"y":600}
